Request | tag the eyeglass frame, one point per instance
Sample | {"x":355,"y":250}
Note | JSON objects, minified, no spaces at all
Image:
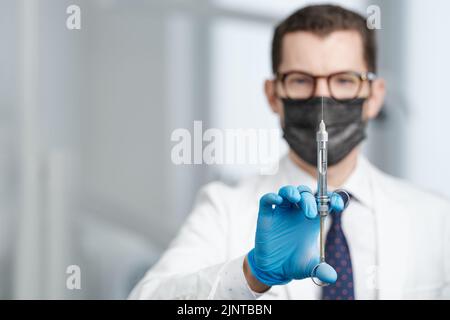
{"x":363,"y":76}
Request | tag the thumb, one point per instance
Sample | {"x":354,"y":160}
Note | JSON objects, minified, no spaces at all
{"x":326,"y":273}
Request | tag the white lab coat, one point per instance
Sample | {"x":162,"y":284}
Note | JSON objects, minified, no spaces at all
{"x":205,"y":260}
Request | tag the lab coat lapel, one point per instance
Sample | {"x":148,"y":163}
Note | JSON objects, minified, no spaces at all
{"x":392,"y":238}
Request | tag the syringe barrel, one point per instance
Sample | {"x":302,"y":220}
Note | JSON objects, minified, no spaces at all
{"x":322,"y":194}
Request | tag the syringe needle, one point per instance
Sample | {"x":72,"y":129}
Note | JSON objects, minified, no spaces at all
{"x":322,"y":108}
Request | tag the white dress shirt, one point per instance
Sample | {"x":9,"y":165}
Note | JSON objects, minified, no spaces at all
{"x":398,"y":236}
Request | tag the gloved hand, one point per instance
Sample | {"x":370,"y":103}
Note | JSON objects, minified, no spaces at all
{"x":286,"y":242}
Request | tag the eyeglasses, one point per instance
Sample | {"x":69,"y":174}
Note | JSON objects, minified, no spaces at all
{"x":341,"y":85}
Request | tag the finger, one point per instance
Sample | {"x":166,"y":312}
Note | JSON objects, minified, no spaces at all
{"x":339,"y":200}
{"x":268,"y":200}
{"x":307,"y":202}
{"x":304,"y":189}
{"x":336,"y":203}
{"x":326,"y":273}
{"x":345,"y":196}
{"x":289,"y":194}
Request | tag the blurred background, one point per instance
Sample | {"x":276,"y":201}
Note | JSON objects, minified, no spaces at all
{"x":86,"y":118}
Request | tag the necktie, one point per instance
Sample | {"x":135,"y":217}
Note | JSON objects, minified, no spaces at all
{"x":338,"y":255}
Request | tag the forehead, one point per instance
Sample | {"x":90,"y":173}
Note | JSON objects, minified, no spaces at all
{"x":338,"y":51}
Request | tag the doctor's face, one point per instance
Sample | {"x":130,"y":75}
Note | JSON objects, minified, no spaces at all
{"x":336,"y":52}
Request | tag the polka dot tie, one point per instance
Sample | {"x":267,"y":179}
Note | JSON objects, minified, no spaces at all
{"x":337,"y":255}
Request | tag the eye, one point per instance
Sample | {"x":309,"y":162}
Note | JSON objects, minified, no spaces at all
{"x":300,"y":81}
{"x":343,"y":81}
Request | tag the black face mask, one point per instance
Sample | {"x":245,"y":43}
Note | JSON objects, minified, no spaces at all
{"x":345,"y":126}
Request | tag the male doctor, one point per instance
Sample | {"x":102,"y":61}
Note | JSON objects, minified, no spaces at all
{"x":260,"y":239}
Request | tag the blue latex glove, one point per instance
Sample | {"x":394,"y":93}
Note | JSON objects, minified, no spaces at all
{"x":286,"y":242}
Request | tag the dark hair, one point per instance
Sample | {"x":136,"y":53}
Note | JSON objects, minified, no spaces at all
{"x":323,"y":20}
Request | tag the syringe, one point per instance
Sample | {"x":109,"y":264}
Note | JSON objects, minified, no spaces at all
{"x":322,"y":197}
{"x":322,"y":194}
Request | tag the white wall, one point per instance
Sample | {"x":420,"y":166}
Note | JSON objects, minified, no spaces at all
{"x":427,"y":66}
{"x":8,"y":142}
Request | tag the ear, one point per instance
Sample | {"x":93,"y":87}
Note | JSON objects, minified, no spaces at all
{"x":375,"y":101}
{"x":272,"y":98}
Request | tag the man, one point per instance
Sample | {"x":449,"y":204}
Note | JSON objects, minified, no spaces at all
{"x":391,"y":242}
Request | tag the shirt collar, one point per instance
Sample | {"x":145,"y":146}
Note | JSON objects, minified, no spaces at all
{"x":296,"y":176}
{"x":358,"y":183}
